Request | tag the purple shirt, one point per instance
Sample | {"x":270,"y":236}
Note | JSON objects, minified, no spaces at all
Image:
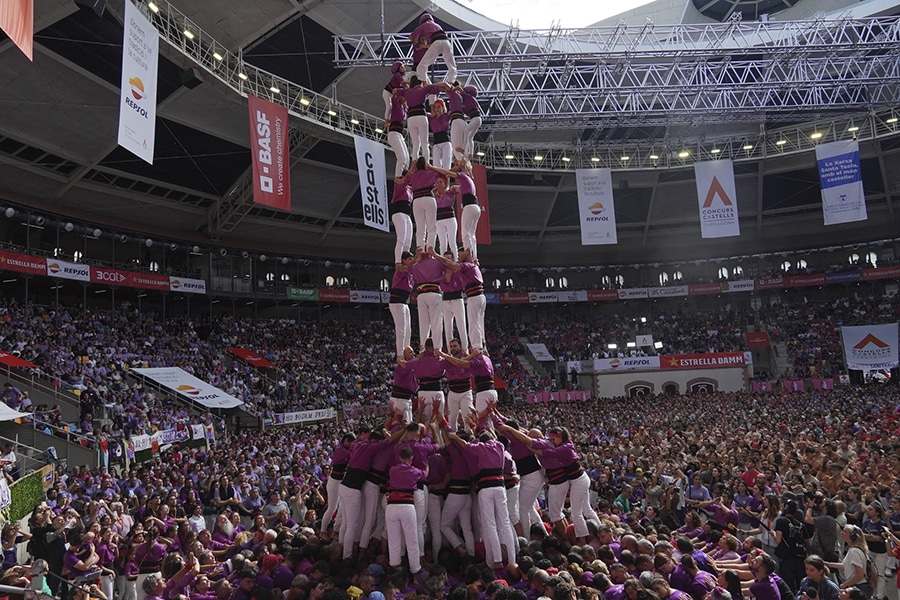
{"x":470,"y":273}
{"x":454,"y":373}
{"x":402,"y":193}
{"x":423,"y":179}
{"x":427,"y":270}
{"x":406,"y":378}
{"x":362,"y":452}
{"x":402,"y":281}
{"x":425,"y":30}
{"x":421,"y":451}
{"x":465,"y":183}
{"x":428,"y":367}
{"x":470,"y":103}
{"x":459,"y":467}
{"x":454,"y":99}
{"x":454,"y":285}
{"x":340,"y":455}
{"x":554,"y":457}
{"x":398,"y":110}
{"x":445,"y":200}
{"x":415,"y":96}
{"x":489,"y":454}
{"x":405,"y":477}
{"x":439,"y":123}
{"x":481,"y":366}
{"x":437,"y":468}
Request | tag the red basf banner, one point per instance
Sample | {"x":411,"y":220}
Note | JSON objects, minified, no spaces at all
{"x":17,"y":20}
{"x":483,"y":230}
{"x":271,"y":155}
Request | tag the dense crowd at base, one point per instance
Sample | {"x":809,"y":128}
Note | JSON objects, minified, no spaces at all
{"x":713,"y":496}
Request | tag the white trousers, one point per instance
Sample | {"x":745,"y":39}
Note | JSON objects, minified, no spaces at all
{"x":458,"y":509}
{"x":455,"y":312}
{"x":458,"y":137}
{"x":469,"y":224}
{"x":512,"y":505}
{"x":446,"y":236}
{"x":495,"y":527}
{"x":387,"y":97}
{"x":403,"y":227}
{"x":418,"y":135}
{"x":352,"y":509}
{"x":398,"y":145}
{"x":402,"y":407}
{"x":485,"y":400}
{"x":402,"y":325}
{"x":475,"y":306}
{"x":431,"y":318}
{"x":108,"y":585}
{"x":400,"y":524}
{"x":370,"y":500}
{"x":442,"y":155}
{"x":435,"y":504}
{"x":420,"y":500}
{"x":459,"y":404}
{"x":580,"y":502}
{"x":529,"y":487}
{"x":432,"y":403}
{"x":332,"y":488}
{"x":471,"y":130}
{"x":424,"y":211}
{"x":437,"y":48}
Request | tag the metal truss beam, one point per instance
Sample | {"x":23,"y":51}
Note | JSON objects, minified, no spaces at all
{"x":628,"y":42}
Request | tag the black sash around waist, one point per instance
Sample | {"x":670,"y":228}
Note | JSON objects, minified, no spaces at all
{"x":526,"y":466}
{"x":446,"y":212}
{"x":484,"y":383}
{"x":488,"y":478}
{"x":354,"y":478}
{"x":399,"y":296}
{"x":438,"y":35}
{"x":460,"y":386}
{"x":400,"y":497}
{"x":473,"y":113}
{"x":396,"y":126}
{"x":423,"y":193}
{"x":469,"y":199}
{"x":337,"y":471}
{"x":441,"y":136}
{"x":428,"y":288}
{"x":474,"y":289}
{"x":377,"y":476}
{"x":417,"y":110}
{"x":430,"y":384}
{"x":401,"y":392}
{"x":458,"y":486}
{"x":454,"y":295}
{"x":456,"y":114}
{"x":402,"y":206}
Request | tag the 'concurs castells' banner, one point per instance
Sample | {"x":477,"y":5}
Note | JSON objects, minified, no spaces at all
{"x":870,"y":346}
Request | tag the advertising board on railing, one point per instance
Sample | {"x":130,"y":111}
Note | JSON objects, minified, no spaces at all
{"x":303,"y":416}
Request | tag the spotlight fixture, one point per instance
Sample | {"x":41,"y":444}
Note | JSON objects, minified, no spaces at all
{"x":379,"y":130}
{"x":285,"y":260}
{"x":10,"y":212}
{"x":123,"y":238}
{"x":347,"y":266}
{"x":713,"y":151}
{"x":781,"y":142}
{"x":173,"y":246}
{"x":331,"y":112}
{"x":817,"y":135}
{"x":595,"y":159}
{"x":327,"y":263}
{"x":39,"y":221}
{"x":747,"y":147}
{"x":274,"y":89}
{"x":96,"y":233}
{"x":148,"y":242}
{"x":195,"y":250}
{"x":188,"y":33}
{"x":354,"y":121}
{"x":304,"y":101}
{"x":262,"y":258}
{"x":684,"y":154}
{"x":243,"y":76}
{"x":245,"y":254}
{"x":217,"y":56}
{"x":69,"y":227}
{"x":153,"y":7}
{"x":509,"y":156}
{"x":223,"y":252}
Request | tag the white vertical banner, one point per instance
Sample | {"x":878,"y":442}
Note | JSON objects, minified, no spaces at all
{"x":596,"y":210}
{"x":871,"y":346}
{"x":137,"y":102}
{"x":843,"y":199}
{"x":372,"y":183}
{"x":717,"y":199}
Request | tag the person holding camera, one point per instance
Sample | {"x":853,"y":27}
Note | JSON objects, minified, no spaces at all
{"x":821,"y":513}
{"x":817,"y":585}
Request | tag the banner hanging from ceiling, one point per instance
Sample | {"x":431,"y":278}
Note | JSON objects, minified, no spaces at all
{"x":269,"y":147}
{"x":17,"y":20}
{"x":372,"y":183}
{"x":596,"y":209}
{"x":843,"y":199}
{"x":870,"y":346}
{"x":717,"y":198}
{"x":137,"y":100}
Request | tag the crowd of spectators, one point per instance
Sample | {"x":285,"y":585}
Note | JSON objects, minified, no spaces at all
{"x":242,"y":520}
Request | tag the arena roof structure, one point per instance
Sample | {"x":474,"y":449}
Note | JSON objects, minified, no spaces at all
{"x":646,"y":94}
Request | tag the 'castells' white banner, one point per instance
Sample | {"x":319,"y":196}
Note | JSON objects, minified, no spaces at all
{"x":596,"y":209}
{"x":870,"y":346}
{"x":189,"y":387}
{"x":137,"y":100}
{"x":372,"y":187}
{"x":843,"y":199}
{"x":717,"y":198}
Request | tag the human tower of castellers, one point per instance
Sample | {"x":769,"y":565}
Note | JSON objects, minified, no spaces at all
{"x":456,"y":469}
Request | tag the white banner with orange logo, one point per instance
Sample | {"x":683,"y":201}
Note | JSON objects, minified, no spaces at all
{"x":189,"y":387}
{"x":137,"y":100}
{"x":67,"y":270}
{"x":870,"y":346}
{"x":717,"y":198}
{"x":186,"y":285}
{"x":17,"y":20}
{"x":596,"y":209}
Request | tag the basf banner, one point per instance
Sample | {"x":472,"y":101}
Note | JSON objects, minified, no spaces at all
{"x":372,"y":183}
{"x":717,"y":198}
{"x":270,"y":152}
{"x":137,"y":101}
{"x":870,"y":346}
{"x":843,"y":200}
{"x":189,"y":387}
{"x":596,"y":210}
